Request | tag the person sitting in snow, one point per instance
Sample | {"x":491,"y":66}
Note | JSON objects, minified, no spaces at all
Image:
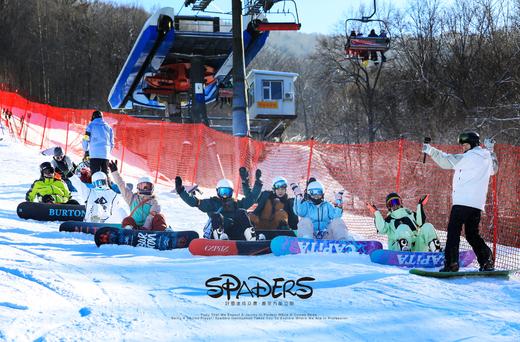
{"x":102,"y":203}
{"x":63,"y":166}
{"x":406,"y":230}
{"x":274,"y":209}
{"x":145,"y":209}
{"x":319,"y":219}
{"x":228,"y":217}
{"x":49,"y":188}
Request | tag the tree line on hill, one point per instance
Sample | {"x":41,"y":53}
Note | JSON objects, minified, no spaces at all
{"x":450,"y":68}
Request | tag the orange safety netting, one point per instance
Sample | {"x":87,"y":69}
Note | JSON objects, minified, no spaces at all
{"x":202,"y":155}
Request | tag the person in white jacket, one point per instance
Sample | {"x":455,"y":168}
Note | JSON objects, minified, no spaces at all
{"x":102,"y":203}
{"x":473,"y":168}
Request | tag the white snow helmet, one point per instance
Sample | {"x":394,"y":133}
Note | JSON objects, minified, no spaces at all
{"x":145,"y":186}
{"x":316,"y":192}
{"x":225,"y":188}
{"x":279,"y":182}
{"x":99,"y":180}
{"x":315,"y":188}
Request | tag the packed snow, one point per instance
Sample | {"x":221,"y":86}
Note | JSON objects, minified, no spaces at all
{"x":60,"y":286}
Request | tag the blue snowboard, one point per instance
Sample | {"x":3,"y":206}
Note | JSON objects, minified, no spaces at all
{"x":283,"y":245}
{"x":417,"y":259}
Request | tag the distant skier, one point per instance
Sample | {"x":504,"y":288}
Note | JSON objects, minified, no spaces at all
{"x":473,"y":168}
{"x":275,"y":208}
{"x":406,"y":230}
{"x":319,"y":219}
{"x":228,"y":217}
{"x":145,"y":209}
{"x":48,"y":188}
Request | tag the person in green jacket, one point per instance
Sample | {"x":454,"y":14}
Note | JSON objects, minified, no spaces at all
{"x":49,"y":188}
{"x":406,"y":230}
{"x":228,"y":216}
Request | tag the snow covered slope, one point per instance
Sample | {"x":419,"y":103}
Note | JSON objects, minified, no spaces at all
{"x":60,"y":286}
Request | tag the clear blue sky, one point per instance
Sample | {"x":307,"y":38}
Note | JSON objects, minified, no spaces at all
{"x":321,"y":16}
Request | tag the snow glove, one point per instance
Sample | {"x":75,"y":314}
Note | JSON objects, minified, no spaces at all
{"x":244,"y":174}
{"x":178,"y":185}
{"x":296,"y":189}
{"x":423,"y":200}
{"x":112,"y":165}
{"x":489,"y":143}
{"x":371,"y":207}
{"x":338,"y":199}
{"x":258,"y":174}
{"x":427,"y":148}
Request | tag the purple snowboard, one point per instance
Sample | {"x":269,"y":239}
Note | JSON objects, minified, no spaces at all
{"x":282,"y":245}
{"x":417,"y":259}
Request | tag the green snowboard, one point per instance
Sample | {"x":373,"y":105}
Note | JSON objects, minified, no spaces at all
{"x":475,"y":273}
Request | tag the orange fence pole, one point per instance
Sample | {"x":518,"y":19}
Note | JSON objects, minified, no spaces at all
{"x":399,"y":159}
{"x":310,"y":159}
{"x":67,"y":134}
{"x":43,"y":134}
{"x":197,"y":154}
{"x":495,"y":214}
{"x":159,"y":152}
{"x":123,"y":143}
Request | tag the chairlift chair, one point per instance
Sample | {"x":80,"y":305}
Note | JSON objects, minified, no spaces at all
{"x":357,"y":45}
{"x":264,"y":25}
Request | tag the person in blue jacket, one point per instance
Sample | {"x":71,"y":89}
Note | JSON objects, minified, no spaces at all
{"x":319,"y":219}
{"x":98,"y":143}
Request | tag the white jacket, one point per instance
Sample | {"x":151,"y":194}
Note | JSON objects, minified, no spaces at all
{"x":101,"y":205}
{"x":471,"y":177}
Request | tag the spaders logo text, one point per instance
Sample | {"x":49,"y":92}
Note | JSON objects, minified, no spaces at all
{"x":256,"y":287}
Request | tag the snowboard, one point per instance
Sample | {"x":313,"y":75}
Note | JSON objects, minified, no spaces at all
{"x":472,"y":273}
{"x":144,"y":238}
{"x":417,"y":259}
{"x":283,"y":245}
{"x":85,"y":227}
{"x":50,"y":212}
{"x":229,"y":247}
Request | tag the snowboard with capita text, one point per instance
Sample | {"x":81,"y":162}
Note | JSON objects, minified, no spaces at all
{"x":161,"y":240}
{"x":85,"y":227}
{"x":50,"y":212}
{"x":283,"y":245}
{"x":417,"y":259}
{"x":209,"y":247}
{"x":472,"y":273}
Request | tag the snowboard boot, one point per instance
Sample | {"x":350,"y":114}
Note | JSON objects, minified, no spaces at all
{"x":489,"y":265}
{"x":435,"y":246}
{"x":403,"y":245}
{"x":250,"y":234}
{"x":218,"y":234}
{"x":452,"y":267}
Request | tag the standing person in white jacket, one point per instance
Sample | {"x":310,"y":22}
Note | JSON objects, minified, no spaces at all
{"x":473,"y":169}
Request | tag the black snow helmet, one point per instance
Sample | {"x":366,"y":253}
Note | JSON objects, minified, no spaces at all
{"x":46,"y":166}
{"x":471,"y":138}
{"x":58,"y":151}
{"x":392,"y":199}
{"x":96,"y":114}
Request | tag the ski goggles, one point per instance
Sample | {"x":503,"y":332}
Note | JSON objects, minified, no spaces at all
{"x":100,"y":183}
{"x":281,"y":184}
{"x":315,"y":192}
{"x":393,"y":202}
{"x":225,"y":192}
{"x":48,"y":172}
{"x":145,"y":186}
